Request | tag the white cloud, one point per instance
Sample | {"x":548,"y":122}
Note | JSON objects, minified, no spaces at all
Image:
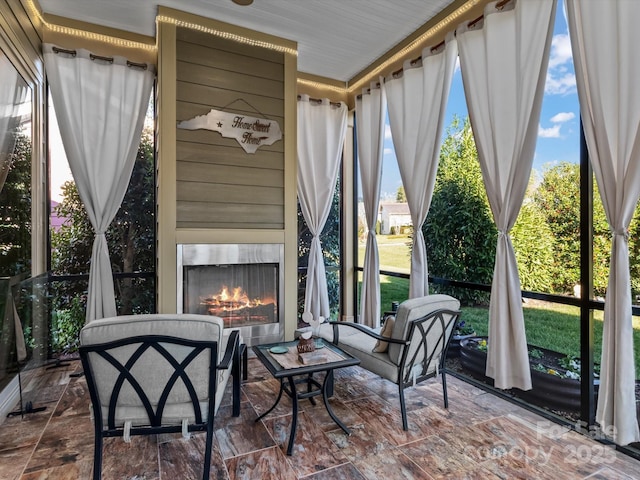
{"x":457,"y":65}
{"x":387,"y":132}
{"x":563,"y":117}
{"x":560,"y":78}
{"x":560,"y":85}
{"x":552,"y":132}
{"x":388,"y":151}
{"x":560,"y":50}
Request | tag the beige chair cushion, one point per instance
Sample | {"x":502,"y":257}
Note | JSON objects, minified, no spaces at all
{"x":381,"y":346}
{"x":152,"y":370}
{"x":416,"y":308}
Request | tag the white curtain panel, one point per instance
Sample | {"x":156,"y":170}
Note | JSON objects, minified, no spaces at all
{"x":417,"y":101}
{"x":321,"y":130}
{"x":101,"y":108}
{"x":13,"y":95}
{"x":604,"y":39}
{"x":371,"y":110}
{"x":504,"y":64}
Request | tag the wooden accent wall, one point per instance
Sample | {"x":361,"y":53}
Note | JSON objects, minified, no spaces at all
{"x":218,"y":184}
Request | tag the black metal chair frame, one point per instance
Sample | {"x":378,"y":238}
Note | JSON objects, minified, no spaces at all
{"x":445,"y":318}
{"x":232,"y":354}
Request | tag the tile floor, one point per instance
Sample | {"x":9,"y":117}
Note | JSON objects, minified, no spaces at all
{"x":480,"y":436}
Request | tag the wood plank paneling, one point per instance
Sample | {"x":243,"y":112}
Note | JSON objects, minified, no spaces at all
{"x":230,"y":61}
{"x":218,"y":184}
{"x":196,"y":191}
{"x":209,"y":212}
{"x":241,"y":49}
{"x":229,"y":175}
{"x":238,"y":81}
{"x":221,"y":98}
{"x":201,"y":153}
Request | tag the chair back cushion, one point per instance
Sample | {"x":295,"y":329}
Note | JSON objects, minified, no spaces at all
{"x":416,"y":308}
{"x":152,"y":370}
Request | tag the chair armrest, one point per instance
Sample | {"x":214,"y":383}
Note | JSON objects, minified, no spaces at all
{"x":363,"y":329}
{"x":229,"y":353}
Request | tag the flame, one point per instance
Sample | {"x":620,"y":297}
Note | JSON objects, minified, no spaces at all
{"x":231,"y":299}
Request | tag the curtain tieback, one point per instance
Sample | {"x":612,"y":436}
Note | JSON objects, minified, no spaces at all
{"x":622,"y":232}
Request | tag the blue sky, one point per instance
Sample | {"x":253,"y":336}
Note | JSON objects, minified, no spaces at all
{"x":559,"y":128}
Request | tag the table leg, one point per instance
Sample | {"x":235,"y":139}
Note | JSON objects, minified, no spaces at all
{"x":328,"y":381}
{"x":274,"y":405}
{"x":309,"y":389}
{"x":294,"y":417}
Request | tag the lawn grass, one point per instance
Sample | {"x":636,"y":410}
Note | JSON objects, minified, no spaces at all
{"x":549,"y":325}
{"x":394,"y":251}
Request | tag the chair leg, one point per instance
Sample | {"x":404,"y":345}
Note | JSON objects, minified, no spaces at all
{"x":97,"y":457}
{"x":403,"y":408}
{"x":236,"y":373}
{"x":206,"y":468}
{"x":444,"y":390}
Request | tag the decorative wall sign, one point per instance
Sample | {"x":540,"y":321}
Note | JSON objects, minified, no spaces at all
{"x":250,"y":132}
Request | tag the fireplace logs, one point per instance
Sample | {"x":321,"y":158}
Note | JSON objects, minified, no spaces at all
{"x":237,"y":309}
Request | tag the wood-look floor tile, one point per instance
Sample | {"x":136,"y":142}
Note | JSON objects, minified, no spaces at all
{"x":184,"y":459}
{"x":242,"y":434}
{"x":14,"y":460}
{"x":391,"y":463}
{"x":21,"y":431}
{"x":269,"y":464}
{"x":74,"y":401}
{"x":608,"y":473}
{"x":262,"y":396}
{"x":73,"y":471}
{"x":345,"y":413}
{"x":310,"y":443}
{"x":362,"y":442}
{"x":65,"y":440}
{"x":257,"y":372}
{"x":385,"y":420}
{"x":517,"y":466}
{"x":135,"y":460}
{"x":480,"y":436}
{"x":342,"y":472}
{"x":438,"y":457}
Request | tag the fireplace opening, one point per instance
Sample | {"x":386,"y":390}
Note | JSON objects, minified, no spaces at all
{"x":241,"y":283}
{"x":240,"y":294}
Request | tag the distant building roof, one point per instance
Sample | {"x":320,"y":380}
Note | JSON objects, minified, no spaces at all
{"x":395,"y":208}
{"x":56,"y":222}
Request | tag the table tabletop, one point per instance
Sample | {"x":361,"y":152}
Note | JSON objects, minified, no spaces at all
{"x":282,"y":365}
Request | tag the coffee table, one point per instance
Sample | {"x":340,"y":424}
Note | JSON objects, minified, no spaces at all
{"x":286,"y":367}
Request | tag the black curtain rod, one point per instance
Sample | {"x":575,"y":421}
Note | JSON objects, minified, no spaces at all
{"x":73,"y":53}
{"x":319,"y":100}
{"x":499,"y":6}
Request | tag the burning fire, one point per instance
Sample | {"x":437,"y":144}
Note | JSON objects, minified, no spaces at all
{"x":229,"y":300}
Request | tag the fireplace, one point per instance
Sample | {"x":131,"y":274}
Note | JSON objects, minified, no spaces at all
{"x":240,"y":283}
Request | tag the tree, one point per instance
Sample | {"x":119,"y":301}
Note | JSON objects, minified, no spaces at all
{"x":459,"y":232}
{"x":400,"y":195}
{"x":330,"y":238}
{"x":533,"y":245}
{"x":130,"y":237}
{"x":557,"y":197}
{"x":15,"y":211}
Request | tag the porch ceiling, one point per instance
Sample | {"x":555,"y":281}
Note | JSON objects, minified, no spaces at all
{"x":336,"y":38}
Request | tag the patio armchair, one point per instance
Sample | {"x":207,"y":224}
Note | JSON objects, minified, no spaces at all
{"x":409,"y":348}
{"x":158,"y":373}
